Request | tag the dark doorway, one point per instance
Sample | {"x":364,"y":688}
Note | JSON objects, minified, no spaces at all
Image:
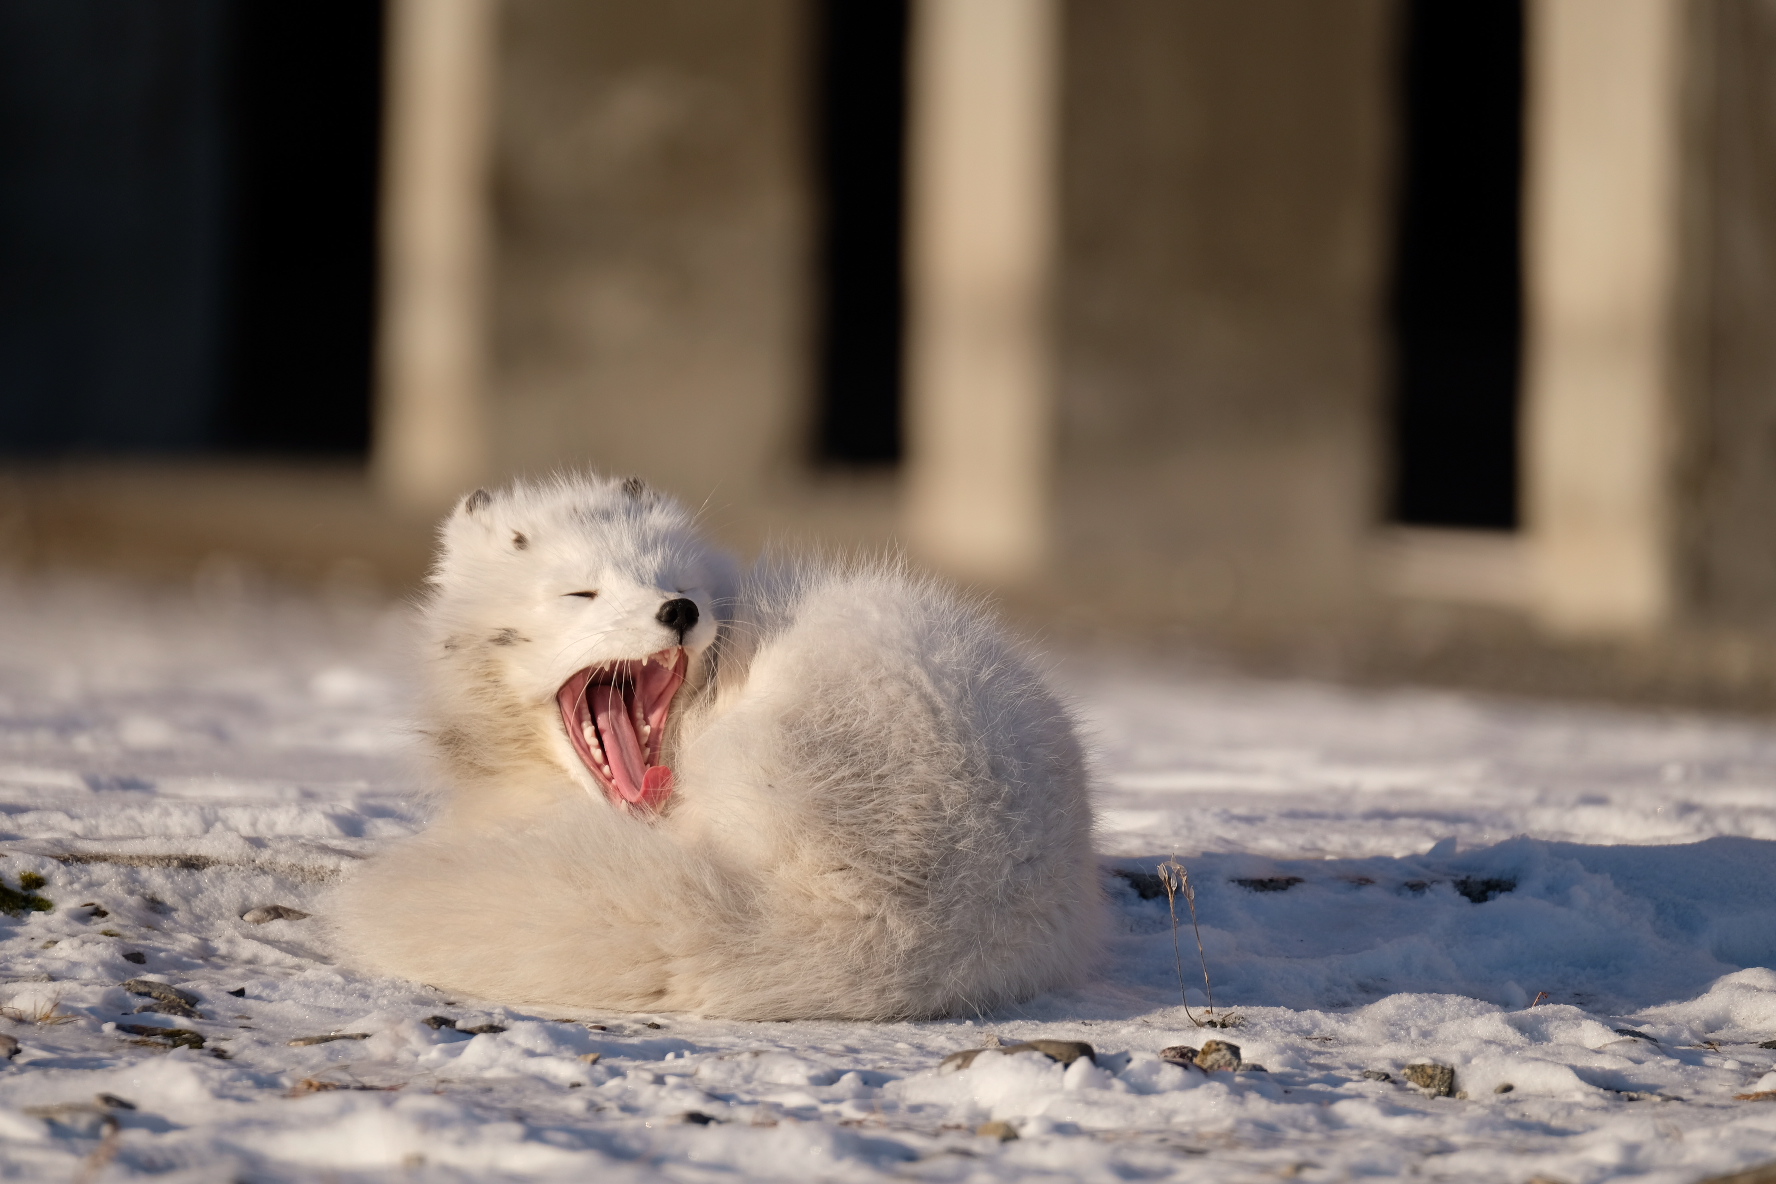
{"x":306,"y":105}
{"x":187,"y":214}
{"x":1457,"y":306}
{"x":860,"y":153}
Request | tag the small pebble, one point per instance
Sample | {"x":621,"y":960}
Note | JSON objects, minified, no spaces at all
{"x":1218,"y":1054}
{"x":136,"y":956}
{"x":590,"y":1058}
{"x":483,"y":1029}
{"x":435,"y":1022}
{"x":167,"y":1000}
{"x":1064,"y":1051}
{"x":1178,"y":1054}
{"x":113,"y":1102}
{"x":177,"y":1037}
{"x":9,"y":1047}
{"x":1003,"y":1131}
{"x":1377,"y":1075}
{"x":272,"y":912}
{"x":239,"y":992}
{"x":155,"y":989}
{"x":1437,"y":1081}
{"x":696,"y":1118}
{"x":305,"y":1041}
{"x":1503,"y":1087}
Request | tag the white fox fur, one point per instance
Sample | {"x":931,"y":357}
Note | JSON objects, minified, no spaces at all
{"x":877,"y":809}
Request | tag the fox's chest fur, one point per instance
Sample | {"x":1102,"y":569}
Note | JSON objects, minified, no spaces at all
{"x":816,"y":792}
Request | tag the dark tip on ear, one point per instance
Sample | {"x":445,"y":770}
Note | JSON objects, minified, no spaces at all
{"x":634,"y":486}
{"x":519,"y":541}
{"x":479,"y":500}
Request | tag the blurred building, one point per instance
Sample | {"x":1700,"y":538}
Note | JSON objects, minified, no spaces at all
{"x":1437,"y":326}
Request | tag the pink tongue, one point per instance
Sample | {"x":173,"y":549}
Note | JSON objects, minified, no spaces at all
{"x":622,"y":747}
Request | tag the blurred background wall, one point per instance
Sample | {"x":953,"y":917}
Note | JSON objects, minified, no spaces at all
{"x":1378,"y":337}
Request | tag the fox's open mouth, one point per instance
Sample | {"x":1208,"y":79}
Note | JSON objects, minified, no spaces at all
{"x":615,"y":716}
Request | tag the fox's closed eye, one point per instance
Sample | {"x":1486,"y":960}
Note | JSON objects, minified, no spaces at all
{"x":584,"y":595}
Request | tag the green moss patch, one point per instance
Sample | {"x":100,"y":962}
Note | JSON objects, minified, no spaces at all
{"x":24,"y":899}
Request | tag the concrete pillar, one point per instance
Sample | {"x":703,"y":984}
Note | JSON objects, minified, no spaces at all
{"x":981,"y":214}
{"x":650,"y":273}
{"x":1225,"y":221}
{"x":429,"y":433}
{"x":1602,"y":229}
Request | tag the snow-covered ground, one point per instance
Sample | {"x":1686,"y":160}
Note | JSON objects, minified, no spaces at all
{"x":1574,"y":909}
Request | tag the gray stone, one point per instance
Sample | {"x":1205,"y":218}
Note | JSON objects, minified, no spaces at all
{"x":1377,"y":1075}
{"x":305,"y":1041}
{"x":1503,"y":1087}
{"x":167,"y":1000}
{"x":1437,"y":1081}
{"x":1003,"y":1131}
{"x":9,"y":1047}
{"x":177,"y":1037}
{"x":961,"y":1060}
{"x":1064,"y":1051}
{"x":1218,"y":1054}
{"x":272,"y":912}
{"x":172,"y":1008}
{"x":1178,"y":1054}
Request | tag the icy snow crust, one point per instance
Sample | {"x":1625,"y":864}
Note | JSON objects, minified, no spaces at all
{"x":1381,"y":879}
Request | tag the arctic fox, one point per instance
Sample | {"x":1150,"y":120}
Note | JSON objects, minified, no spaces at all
{"x":833,"y":791}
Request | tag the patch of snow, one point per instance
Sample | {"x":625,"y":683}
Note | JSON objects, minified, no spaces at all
{"x":1575,"y":909}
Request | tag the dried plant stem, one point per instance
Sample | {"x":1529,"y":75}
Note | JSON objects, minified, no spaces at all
{"x":40,"y":1013}
{"x":1176,"y":879}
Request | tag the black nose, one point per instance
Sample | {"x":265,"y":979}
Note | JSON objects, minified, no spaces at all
{"x":678,"y":615}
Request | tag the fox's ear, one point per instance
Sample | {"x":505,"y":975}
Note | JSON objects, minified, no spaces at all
{"x":476,"y":527}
